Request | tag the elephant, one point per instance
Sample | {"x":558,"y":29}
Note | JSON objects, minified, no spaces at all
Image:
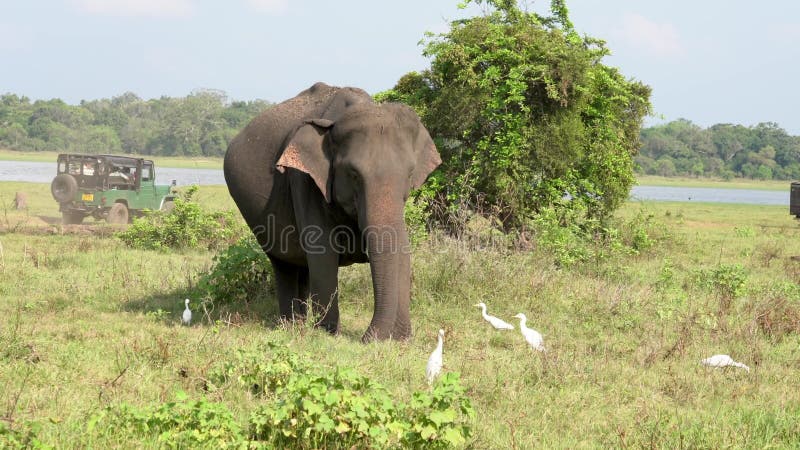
{"x":321,"y":179}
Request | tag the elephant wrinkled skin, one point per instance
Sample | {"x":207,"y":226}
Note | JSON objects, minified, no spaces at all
{"x":321,"y":179}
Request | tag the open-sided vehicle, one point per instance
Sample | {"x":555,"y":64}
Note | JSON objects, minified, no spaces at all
{"x":109,"y":187}
{"x":794,"y":199}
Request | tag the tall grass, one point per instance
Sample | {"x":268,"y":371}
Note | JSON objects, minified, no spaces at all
{"x":86,"y":322}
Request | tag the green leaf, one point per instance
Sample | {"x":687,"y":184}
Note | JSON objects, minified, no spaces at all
{"x":440,"y":417}
{"x":427,"y":432}
{"x":342,"y":428}
{"x":454,"y":437}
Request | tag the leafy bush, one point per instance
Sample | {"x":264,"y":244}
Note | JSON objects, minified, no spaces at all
{"x":525,"y":114}
{"x":239,"y":274}
{"x":417,"y":219}
{"x":315,"y":407}
{"x":23,"y":436}
{"x":573,"y":238}
{"x":182,"y":423}
{"x":304,"y":406}
{"x":186,"y":226}
{"x":726,"y":281}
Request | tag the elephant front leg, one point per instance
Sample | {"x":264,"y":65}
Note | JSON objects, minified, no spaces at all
{"x":402,"y":324}
{"x":323,"y":281}
{"x":290,"y":284}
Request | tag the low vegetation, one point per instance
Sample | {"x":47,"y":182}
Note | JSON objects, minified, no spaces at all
{"x":92,"y":353}
{"x":187,"y":225}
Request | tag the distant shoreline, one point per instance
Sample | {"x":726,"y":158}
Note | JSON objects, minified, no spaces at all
{"x":179,"y":162}
{"x":216,"y":163}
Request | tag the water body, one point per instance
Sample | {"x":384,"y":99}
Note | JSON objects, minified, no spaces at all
{"x":713,"y":195}
{"x":41,"y":172}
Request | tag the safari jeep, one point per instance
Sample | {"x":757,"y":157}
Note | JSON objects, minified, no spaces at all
{"x":109,"y":187}
{"x":794,"y":199}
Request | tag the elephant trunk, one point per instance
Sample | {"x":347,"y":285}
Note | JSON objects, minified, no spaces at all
{"x":390,"y":263}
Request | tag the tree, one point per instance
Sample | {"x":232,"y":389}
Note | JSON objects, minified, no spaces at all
{"x":724,"y":150}
{"x":525,"y":115}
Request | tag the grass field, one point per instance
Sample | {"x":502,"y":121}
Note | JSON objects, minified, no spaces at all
{"x":86,"y":322}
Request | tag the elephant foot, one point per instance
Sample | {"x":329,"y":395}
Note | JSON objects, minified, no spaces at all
{"x":372,"y":335}
{"x":332,"y":328}
{"x":401,"y":333}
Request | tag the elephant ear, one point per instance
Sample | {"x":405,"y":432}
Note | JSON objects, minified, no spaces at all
{"x":427,"y":157}
{"x":306,"y":153}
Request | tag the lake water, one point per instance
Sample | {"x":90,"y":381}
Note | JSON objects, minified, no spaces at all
{"x":41,"y":172}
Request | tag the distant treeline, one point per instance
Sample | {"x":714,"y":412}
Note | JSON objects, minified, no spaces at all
{"x":203,"y":123}
{"x":764,"y":151}
{"x":200,"y":124}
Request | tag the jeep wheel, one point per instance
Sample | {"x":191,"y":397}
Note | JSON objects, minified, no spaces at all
{"x":71,"y":217}
{"x":64,"y":188}
{"x":117,"y":214}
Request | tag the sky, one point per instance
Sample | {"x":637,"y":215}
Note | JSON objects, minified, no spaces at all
{"x":709,"y":61}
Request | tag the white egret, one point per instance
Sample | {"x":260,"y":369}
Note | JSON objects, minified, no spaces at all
{"x":533,"y":337}
{"x":186,"y":318}
{"x":435,"y":360}
{"x":723,"y":361}
{"x":497,"y":323}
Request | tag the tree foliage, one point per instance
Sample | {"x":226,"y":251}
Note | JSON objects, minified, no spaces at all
{"x":764,"y":151}
{"x":525,"y":114}
{"x":200,"y":124}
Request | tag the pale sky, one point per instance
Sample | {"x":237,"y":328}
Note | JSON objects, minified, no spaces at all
{"x":710,"y":61}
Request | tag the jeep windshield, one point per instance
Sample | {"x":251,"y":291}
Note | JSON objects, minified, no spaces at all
{"x":104,"y":171}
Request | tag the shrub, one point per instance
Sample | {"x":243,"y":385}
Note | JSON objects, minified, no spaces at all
{"x":417,"y":219}
{"x":726,"y":281}
{"x":303,"y":406}
{"x":182,"y":423}
{"x":238,"y":274}
{"x":22,"y":436}
{"x":525,"y":113}
{"x":572,"y":238}
{"x":186,"y":226}
{"x":315,"y":407}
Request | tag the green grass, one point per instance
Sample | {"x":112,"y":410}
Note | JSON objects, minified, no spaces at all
{"x":86,"y":322}
{"x":718,"y":183}
{"x":160,"y":161}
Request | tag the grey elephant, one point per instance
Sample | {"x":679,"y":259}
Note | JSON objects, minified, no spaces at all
{"x":321,"y":179}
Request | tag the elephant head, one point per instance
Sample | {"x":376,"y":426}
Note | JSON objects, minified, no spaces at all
{"x":365,"y":162}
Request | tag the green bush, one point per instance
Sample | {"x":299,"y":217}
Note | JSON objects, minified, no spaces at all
{"x":314,"y":407}
{"x":186,"y":226}
{"x":182,"y":423}
{"x":525,"y":113}
{"x":417,"y":219}
{"x":303,"y":406}
{"x":572,"y":238}
{"x":22,"y":436}
{"x":728,"y":281}
{"x":239,"y":274}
